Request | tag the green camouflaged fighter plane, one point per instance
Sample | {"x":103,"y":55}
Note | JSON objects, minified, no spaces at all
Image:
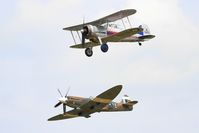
{"x":83,"y":107}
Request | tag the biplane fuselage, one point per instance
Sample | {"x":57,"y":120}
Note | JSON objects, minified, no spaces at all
{"x":112,"y":29}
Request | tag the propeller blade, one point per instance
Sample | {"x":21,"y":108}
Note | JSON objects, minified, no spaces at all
{"x":83,"y":21}
{"x":64,"y":108}
{"x":67,"y":92}
{"x":83,"y":39}
{"x":59,"y":92}
{"x":59,"y":103}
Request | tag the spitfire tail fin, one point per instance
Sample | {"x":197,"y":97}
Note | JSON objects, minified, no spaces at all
{"x":127,"y":101}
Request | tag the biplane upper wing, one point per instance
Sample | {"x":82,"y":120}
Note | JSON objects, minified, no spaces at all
{"x":110,"y":18}
{"x":113,"y":38}
{"x":94,"y":105}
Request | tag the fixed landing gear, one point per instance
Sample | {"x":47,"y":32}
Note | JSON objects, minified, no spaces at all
{"x":140,"y":44}
{"x":104,"y":47}
{"x":89,"y":52}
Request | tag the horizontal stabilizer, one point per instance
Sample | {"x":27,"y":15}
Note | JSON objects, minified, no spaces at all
{"x":145,"y":37}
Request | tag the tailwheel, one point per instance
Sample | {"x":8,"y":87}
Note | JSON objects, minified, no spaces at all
{"x":89,"y":52}
{"x":104,"y":47}
{"x":140,"y":44}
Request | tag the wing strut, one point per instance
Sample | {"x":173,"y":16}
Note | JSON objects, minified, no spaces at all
{"x":129,"y":21}
{"x":73,"y":37}
{"x":100,"y":40}
{"x":79,"y":36}
{"x":123,"y":24}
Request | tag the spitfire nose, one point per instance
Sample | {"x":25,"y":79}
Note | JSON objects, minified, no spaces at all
{"x":63,"y":100}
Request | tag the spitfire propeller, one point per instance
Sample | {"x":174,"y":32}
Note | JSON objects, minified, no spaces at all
{"x":63,"y":100}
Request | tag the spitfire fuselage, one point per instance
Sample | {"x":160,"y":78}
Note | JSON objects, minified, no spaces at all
{"x":76,"y":102}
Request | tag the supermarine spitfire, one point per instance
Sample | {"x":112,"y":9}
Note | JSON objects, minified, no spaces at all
{"x":104,"y":30}
{"x":84,"y":107}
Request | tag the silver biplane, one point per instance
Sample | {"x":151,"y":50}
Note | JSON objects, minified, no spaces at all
{"x":104,"y":30}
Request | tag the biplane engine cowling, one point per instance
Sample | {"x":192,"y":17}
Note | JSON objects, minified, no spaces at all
{"x":90,"y":31}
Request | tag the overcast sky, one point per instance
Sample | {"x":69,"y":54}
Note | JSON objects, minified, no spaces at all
{"x":35,"y":60}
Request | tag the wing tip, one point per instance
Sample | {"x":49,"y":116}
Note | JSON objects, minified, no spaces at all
{"x":65,"y":29}
{"x":73,"y":46}
{"x":131,"y":11}
{"x":50,"y":119}
{"x":55,"y":118}
{"x":153,"y":36}
{"x":117,"y":88}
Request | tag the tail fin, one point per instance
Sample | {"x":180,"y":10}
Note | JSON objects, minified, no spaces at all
{"x":126,"y":100}
{"x":127,"y":103}
{"x":146,"y":30}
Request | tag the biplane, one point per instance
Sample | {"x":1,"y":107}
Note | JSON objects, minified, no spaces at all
{"x":84,"y":107}
{"x":104,"y":30}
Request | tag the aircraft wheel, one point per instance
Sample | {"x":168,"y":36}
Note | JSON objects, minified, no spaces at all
{"x":140,"y":44}
{"x":104,"y":47}
{"x":89,"y":52}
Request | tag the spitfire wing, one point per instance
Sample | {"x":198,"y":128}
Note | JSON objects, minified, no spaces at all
{"x":100,"y":101}
{"x":67,"y":115}
{"x":110,"y":18}
{"x":96,"y":104}
{"x":113,"y":38}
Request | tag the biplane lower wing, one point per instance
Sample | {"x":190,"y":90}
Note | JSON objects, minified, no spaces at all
{"x":113,"y":38}
{"x":86,"y":45}
{"x":94,"y":105}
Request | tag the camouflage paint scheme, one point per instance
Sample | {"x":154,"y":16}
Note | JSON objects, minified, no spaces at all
{"x":83,"y":107}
